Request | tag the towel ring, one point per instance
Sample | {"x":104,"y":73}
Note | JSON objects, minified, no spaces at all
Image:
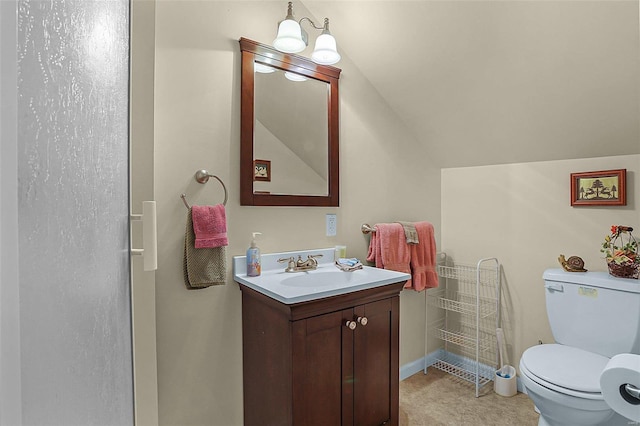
{"x":202,"y":176}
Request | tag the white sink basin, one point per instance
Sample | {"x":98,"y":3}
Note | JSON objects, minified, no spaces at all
{"x":326,"y":281}
{"x":318,"y":278}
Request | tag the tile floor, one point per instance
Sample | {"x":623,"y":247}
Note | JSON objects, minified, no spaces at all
{"x":437,"y":398}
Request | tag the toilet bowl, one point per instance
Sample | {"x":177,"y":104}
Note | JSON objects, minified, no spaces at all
{"x":563,"y":383}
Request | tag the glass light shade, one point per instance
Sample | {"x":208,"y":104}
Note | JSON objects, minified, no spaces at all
{"x":262,"y":68}
{"x":294,"y":77}
{"x":289,"y":38}
{"x":325,"y":52}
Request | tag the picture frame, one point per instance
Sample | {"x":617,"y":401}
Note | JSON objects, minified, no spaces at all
{"x":262,"y":170}
{"x":600,"y":188}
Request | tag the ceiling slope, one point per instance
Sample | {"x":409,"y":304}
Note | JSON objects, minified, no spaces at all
{"x":494,"y":82}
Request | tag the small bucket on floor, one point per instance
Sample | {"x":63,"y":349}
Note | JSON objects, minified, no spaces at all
{"x":504,"y":381}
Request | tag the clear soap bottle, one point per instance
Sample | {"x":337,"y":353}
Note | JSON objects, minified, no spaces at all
{"x":253,"y":257}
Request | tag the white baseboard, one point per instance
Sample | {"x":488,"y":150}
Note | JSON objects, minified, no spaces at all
{"x":413,"y":367}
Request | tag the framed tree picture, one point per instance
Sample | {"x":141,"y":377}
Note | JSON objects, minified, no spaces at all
{"x":603,"y":188}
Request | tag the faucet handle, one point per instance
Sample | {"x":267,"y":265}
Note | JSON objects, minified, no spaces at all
{"x":291,"y":264}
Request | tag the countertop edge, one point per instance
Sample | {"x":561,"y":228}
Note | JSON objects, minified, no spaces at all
{"x":322,"y":294}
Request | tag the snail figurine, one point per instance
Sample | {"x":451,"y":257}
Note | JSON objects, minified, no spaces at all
{"x":573,"y":264}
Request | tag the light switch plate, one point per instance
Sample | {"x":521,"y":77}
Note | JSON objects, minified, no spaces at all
{"x":332,"y":225}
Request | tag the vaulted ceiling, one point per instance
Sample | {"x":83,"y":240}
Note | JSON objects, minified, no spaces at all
{"x":493,"y":82}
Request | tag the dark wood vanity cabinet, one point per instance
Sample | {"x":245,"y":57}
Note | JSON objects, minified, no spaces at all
{"x":331,"y":361}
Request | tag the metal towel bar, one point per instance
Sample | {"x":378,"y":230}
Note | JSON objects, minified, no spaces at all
{"x":366,"y":228}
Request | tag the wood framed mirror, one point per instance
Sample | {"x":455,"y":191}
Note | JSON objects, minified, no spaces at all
{"x":289,"y":121}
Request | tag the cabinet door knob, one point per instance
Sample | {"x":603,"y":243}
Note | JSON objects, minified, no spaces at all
{"x":351,"y":324}
{"x":362,"y":320}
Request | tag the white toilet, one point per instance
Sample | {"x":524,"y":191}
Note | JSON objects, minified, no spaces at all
{"x":593,"y":316}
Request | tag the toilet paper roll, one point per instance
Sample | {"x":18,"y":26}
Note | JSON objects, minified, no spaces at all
{"x":622,"y":370}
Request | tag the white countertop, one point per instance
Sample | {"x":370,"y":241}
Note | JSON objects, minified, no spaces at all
{"x":327,"y":280}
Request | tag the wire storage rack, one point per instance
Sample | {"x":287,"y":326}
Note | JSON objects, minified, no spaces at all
{"x":468,"y":300}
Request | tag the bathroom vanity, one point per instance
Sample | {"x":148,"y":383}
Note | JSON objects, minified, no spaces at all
{"x":329,"y":357}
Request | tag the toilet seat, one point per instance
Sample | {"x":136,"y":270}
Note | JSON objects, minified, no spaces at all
{"x":565,"y":369}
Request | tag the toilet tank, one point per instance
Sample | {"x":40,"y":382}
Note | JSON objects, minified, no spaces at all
{"x":594,"y":311}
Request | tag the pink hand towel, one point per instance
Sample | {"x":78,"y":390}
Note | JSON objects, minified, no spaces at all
{"x":374,"y":255}
{"x":209,"y":226}
{"x":389,"y":249}
{"x":423,"y":258}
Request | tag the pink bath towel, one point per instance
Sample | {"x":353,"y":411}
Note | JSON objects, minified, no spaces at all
{"x":209,"y":226}
{"x":389,"y":250}
{"x":423,"y":259}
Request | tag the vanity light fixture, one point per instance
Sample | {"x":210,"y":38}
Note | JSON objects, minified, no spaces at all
{"x":292,"y":38}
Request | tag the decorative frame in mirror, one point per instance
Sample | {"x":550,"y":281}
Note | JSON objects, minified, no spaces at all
{"x":253,"y":52}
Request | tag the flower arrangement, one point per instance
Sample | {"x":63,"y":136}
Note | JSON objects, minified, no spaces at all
{"x":621,"y":254}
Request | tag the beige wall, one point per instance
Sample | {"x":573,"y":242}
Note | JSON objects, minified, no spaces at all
{"x":521,"y":213}
{"x":197,"y":124}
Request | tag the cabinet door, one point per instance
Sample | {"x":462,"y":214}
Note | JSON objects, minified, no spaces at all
{"x":317,"y":369}
{"x":376,"y":364}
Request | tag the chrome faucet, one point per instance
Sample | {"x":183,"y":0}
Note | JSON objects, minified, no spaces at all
{"x":300,"y":265}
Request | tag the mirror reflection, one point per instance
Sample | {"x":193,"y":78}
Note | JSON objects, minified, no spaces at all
{"x":290,"y":133}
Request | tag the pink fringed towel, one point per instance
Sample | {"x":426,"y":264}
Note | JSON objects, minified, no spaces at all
{"x":209,"y":226}
{"x":388,"y":249}
{"x":423,"y":258}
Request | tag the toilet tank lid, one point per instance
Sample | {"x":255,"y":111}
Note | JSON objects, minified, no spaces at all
{"x":593,"y":279}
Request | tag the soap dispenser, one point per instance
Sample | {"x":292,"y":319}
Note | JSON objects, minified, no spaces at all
{"x":253,"y":257}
